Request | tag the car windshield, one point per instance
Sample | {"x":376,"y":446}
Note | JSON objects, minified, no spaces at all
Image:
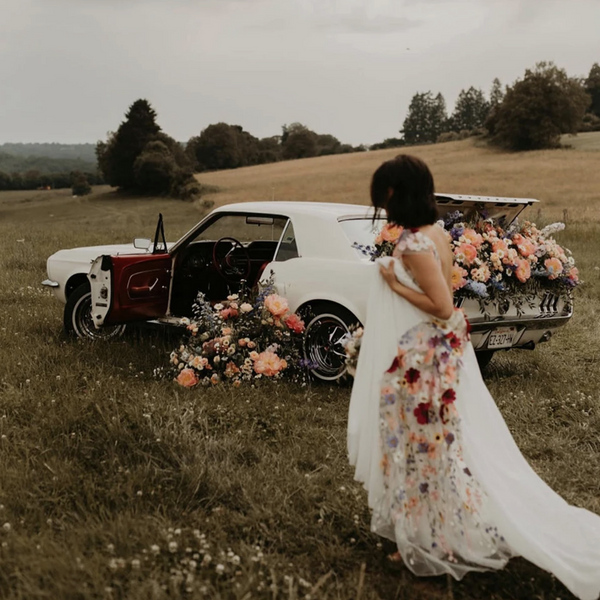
{"x":245,"y":228}
{"x":362,"y":231}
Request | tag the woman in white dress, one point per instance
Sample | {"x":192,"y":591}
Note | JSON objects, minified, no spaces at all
{"x":445,"y":479}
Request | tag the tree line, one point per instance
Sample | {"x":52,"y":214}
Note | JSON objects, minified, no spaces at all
{"x":531,"y":114}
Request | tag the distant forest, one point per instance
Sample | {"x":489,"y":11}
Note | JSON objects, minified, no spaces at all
{"x":84,"y":152}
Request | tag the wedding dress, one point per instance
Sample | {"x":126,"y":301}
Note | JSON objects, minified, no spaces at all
{"x":444,"y":476}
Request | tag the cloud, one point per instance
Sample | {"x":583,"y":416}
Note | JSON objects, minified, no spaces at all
{"x":358,"y":23}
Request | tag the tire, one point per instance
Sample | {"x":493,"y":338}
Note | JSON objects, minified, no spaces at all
{"x":326,"y":325}
{"x":484,"y":358}
{"x":77,"y":318}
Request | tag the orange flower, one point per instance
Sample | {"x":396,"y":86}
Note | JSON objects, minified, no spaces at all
{"x":231,"y":369}
{"x":391,"y":233}
{"x":466,"y":253}
{"x":276,"y":305}
{"x":269,"y":364}
{"x":458,"y":277}
{"x":554,"y":267}
{"x":523,"y":272}
{"x":199,"y":362}
{"x":500,"y":247}
{"x":525,"y":246}
{"x":481,"y":274}
{"x":573,"y":274}
{"x":187,"y":378}
{"x":473,"y":237}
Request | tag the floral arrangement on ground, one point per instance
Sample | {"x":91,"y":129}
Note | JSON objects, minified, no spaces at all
{"x":245,"y":338}
{"x":494,"y":263}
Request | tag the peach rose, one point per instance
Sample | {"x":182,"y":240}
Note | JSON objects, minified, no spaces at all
{"x":254,"y":354}
{"x":466,"y":253}
{"x":473,"y":238}
{"x":295,"y":323}
{"x":391,"y":233}
{"x":523,"y":272}
{"x":198,"y":362}
{"x":525,"y":246}
{"x":269,"y":364}
{"x":500,"y":247}
{"x":554,"y":267}
{"x":231,"y":369}
{"x":187,"y":378}
{"x":276,"y":305}
{"x":458,"y":277}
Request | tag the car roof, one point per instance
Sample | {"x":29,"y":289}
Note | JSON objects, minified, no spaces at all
{"x":338,"y":210}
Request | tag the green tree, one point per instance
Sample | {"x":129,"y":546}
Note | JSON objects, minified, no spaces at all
{"x":539,"y":108}
{"x":329,"y":144}
{"x":154,"y":168}
{"x":81,"y":186}
{"x":118,"y":154}
{"x":298,"y":141}
{"x":592,"y":87}
{"x":496,"y":93}
{"x":470,"y":111}
{"x":217,"y":147}
{"x":425,"y":120}
{"x":269,"y":149}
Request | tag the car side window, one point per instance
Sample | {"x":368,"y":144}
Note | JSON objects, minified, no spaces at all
{"x":287,"y":245}
{"x":245,"y":228}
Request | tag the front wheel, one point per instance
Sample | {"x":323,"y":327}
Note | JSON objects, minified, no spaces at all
{"x":323,"y":337}
{"x":78,"y":320}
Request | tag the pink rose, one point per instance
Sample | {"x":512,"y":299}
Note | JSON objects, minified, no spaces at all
{"x":295,"y":323}
{"x":187,"y":378}
{"x":458,"y":277}
{"x":391,"y":233}
{"x":229,"y":313}
{"x":276,"y":305}
{"x":466,"y":253}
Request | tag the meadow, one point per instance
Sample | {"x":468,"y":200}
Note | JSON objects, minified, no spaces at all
{"x":116,"y":484}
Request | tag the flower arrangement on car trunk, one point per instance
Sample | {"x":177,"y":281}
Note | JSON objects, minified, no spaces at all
{"x":241,"y":339}
{"x":493,"y":263}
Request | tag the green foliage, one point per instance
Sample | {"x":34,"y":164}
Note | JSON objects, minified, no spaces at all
{"x":470,"y":111}
{"x":217,"y":147}
{"x":539,"y":108}
{"x":592,"y":87}
{"x":298,"y":141}
{"x":154,"y":168}
{"x":81,"y":152}
{"x":269,"y":150}
{"x":388,"y":143}
{"x":81,"y":187}
{"x":496,"y":93}
{"x":117,"y":156}
{"x":14,"y":163}
{"x":426,"y":119}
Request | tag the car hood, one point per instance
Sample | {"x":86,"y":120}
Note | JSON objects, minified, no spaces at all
{"x":88,"y":254}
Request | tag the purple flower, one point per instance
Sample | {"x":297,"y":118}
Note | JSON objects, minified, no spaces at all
{"x":392,"y":441}
{"x":449,"y":438}
{"x":423,"y":447}
{"x":423,"y":488}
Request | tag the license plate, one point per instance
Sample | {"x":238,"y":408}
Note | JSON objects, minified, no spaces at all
{"x":502,"y":337}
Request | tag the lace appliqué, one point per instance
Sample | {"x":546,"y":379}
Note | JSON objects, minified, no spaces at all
{"x":414,"y":242}
{"x":432,"y":506}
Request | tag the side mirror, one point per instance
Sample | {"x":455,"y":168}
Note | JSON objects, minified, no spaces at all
{"x":142,"y":243}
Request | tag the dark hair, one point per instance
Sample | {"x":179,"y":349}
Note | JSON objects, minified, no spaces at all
{"x":412,"y":202}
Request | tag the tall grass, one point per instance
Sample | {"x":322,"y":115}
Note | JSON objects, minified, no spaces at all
{"x":116,"y":484}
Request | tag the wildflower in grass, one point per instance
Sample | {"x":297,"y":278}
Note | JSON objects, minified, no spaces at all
{"x":155,"y":549}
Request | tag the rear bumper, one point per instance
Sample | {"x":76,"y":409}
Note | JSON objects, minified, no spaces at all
{"x":529,"y":331}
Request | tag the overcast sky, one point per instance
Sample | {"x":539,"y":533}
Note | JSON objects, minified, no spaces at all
{"x":70,"y":68}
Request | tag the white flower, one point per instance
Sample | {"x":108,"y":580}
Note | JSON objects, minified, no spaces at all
{"x":172,"y":547}
{"x":135,"y":564}
{"x":233,"y":297}
{"x":246,"y":308}
{"x":184,"y":321}
{"x":155,"y":549}
{"x":220,"y":569}
{"x":219,"y":306}
{"x":6,"y":526}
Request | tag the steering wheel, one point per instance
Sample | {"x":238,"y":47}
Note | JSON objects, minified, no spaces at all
{"x":231,"y":268}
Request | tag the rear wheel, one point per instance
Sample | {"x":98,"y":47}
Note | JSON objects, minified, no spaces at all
{"x":326,"y":325}
{"x":78,"y":320}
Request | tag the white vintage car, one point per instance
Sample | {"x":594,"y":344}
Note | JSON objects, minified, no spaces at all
{"x":308,"y":246}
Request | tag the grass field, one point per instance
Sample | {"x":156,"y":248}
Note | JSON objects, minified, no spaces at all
{"x":114,"y":484}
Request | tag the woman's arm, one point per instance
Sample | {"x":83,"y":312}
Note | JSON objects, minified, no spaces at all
{"x":436,"y":298}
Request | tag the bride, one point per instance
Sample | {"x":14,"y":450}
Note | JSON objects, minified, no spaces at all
{"x":445,"y":479}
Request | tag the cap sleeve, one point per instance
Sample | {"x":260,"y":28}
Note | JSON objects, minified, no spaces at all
{"x":414,"y":242}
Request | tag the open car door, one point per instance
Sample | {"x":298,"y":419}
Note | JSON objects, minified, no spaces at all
{"x":132,"y":287}
{"x":128,"y":288}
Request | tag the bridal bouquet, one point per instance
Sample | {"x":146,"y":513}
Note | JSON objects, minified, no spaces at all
{"x":240,"y":339}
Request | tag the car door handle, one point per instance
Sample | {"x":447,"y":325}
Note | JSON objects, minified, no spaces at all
{"x":143,"y":289}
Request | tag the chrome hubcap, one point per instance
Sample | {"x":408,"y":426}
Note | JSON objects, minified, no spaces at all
{"x":323,"y":346}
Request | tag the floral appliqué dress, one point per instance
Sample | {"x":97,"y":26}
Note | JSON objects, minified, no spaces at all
{"x":431,"y":504}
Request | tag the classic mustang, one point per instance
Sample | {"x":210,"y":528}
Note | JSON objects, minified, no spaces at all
{"x":309,"y":248}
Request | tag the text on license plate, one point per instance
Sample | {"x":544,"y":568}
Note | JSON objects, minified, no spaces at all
{"x":502,"y":337}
